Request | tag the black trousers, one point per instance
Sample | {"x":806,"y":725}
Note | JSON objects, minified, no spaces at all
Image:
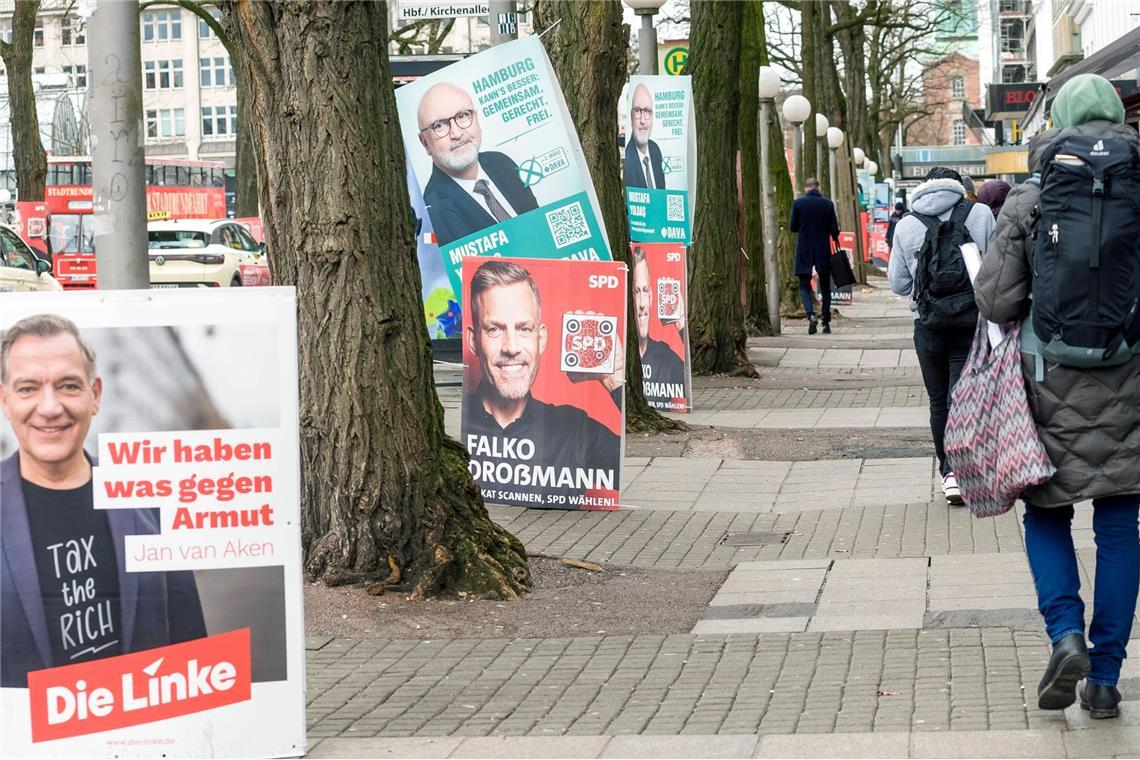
{"x":941,"y":356}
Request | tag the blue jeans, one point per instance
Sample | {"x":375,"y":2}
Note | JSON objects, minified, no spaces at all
{"x":824,"y":292}
{"x":1053,"y":560}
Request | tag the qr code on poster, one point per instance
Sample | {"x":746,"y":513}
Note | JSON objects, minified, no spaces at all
{"x":675,"y":208}
{"x":568,"y":225}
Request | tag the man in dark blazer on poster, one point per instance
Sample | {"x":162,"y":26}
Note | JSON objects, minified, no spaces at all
{"x":641,"y":152}
{"x":65,"y":594}
{"x":816,"y":225}
{"x":468,"y":190}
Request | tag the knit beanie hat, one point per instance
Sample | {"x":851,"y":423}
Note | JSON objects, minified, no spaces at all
{"x":1084,"y":98}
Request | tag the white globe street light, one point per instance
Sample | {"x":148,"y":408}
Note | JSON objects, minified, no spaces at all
{"x":769,"y":82}
{"x":821,"y":125}
{"x":834,"y":138}
{"x":858,"y":156}
{"x":871,"y":167}
{"x":797,"y":109}
{"x":647,"y":35}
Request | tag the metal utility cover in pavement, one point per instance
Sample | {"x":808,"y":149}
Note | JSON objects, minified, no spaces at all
{"x":754,"y":539}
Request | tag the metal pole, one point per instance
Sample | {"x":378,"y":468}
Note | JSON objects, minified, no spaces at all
{"x":647,"y":45}
{"x":768,"y":219}
{"x":798,"y":157}
{"x":117,"y":155}
{"x":821,"y":146}
{"x":832,"y":178}
{"x":504,"y":21}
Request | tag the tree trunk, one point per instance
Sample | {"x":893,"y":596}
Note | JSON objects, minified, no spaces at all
{"x":783,"y":195}
{"x":809,"y":27}
{"x":751,"y":41}
{"x":245,"y":161}
{"x":716,"y":318}
{"x":592,"y":86}
{"x":27,"y":149}
{"x":383,"y":487}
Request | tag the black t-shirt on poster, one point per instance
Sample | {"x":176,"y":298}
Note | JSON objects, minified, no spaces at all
{"x":78,"y":573}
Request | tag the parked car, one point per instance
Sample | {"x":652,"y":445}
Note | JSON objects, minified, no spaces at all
{"x":21,"y":270}
{"x":189,"y":253}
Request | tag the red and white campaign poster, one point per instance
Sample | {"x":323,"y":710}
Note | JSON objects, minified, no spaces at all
{"x":659,"y":282}
{"x":150,"y":554}
{"x":544,"y":380}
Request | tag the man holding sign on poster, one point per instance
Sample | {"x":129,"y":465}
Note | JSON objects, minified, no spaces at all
{"x":468,"y":190}
{"x":65,"y":595}
{"x":659,"y":304}
{"x":524,"y":450}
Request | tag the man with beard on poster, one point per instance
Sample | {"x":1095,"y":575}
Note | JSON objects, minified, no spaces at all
{"x":543,"y":443}
{"x":662,"y":370}
{"x":65,"y":594}
{"x":468,"y":190}
{"x":643,"y":164}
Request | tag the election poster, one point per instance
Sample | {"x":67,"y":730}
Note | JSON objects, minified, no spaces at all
{"x":150,"y":577}
{"x":498,"y":162}
{"x":659,"y":282}
{"x":543,"y":415}
{"x":660,"y":156}
{"x":441,"y":306}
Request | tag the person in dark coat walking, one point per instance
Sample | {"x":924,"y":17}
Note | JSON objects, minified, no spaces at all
{"x":814,"y":221}
{"x":898,"y":213}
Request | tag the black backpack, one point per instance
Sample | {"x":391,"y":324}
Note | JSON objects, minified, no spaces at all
{"x":942,"y":287}
{"x":1086,"y":252}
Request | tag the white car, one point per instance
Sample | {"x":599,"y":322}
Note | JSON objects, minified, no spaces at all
{"x":21,"y":270}
{"x":195,"y":253}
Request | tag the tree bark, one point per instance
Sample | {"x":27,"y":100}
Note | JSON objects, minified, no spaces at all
{"x":245,"y":160}
{"x":27,"y":148}
{"x":756,"y":319}
{"x":809,"y":27}
{"x":716,"y":317}
{"x":384,"y":490}
{"x":592,"y":86}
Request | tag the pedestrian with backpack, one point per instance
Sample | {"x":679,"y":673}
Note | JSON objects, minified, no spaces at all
{"x":1065,"y":261}
{"x":927,"y":264}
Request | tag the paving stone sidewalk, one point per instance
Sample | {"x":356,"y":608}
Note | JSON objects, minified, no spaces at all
{"x":862,"y":616}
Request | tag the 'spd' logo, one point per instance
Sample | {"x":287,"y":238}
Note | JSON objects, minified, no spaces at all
{"x":143,"y":687}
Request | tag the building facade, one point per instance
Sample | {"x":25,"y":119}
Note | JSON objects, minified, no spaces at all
{"x":189,"y":97}
{"x":951,"y":87}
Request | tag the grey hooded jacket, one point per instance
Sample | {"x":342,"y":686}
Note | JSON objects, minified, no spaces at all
{"x":936,"y":197}
{"x":1088,"y":419}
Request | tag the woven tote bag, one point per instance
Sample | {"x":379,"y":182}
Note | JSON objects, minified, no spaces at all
{"x":991,"y":439}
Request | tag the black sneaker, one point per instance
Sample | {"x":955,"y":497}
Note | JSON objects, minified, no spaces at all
{"x":1101,"y":701}
{"x":811,"y":326}
{"x":827,"y":329}
{"x":1068,"y":664}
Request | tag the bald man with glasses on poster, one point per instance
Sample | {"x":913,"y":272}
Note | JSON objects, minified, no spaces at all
{"x":468,"y":190}
{"x":643,"y":164}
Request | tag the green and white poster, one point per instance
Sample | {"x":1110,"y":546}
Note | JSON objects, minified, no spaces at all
{"x":498,"y":161}
{"x":660,"y":159}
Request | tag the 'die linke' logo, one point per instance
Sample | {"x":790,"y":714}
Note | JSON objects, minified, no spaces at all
{"x":65,"y":703}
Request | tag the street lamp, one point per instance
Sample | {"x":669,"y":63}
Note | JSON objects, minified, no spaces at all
{"x":768,"y":83}
{"x":858,"y":156}
{"x":797,"y":109}
{"x":871,"y":168}
{"x":834,"y":141}
{"x":647,"y":35}
{"x":821,"y":125}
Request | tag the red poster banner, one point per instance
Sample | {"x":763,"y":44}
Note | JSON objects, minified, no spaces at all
{"x":543,"y":383}
{"x":659,"y":282}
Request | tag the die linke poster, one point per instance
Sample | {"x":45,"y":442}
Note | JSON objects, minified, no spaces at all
{"x":544,"y":380}
{"x":149,"y":525}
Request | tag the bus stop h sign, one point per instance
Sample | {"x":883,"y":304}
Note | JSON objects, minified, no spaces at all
{"x":675,"y":59}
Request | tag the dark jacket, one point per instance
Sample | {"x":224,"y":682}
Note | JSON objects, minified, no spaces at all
{"x":1089,"y":420}
{"x":455,"y":214}
{"x":813,"y":217}
{"x":895,"y":216}
{"x":157,"y":608}
{"x":635,"y":172}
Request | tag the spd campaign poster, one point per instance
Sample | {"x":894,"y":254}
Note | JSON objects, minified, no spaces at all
{"x":659,"y":282}
{"x":498,"y":162}
{"x":544,"y":380}
{"x":660,"y":156}
{"x":150,"y":577}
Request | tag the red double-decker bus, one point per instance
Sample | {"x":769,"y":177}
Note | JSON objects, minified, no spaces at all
{"x":175,"y":189}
